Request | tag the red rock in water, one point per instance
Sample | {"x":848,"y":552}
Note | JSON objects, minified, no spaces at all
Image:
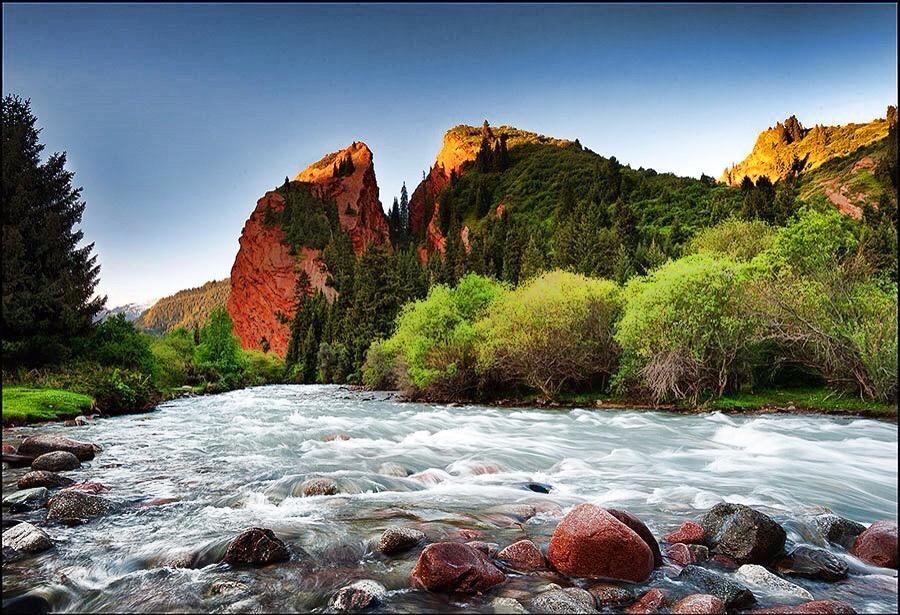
{"x":455,"y":567}
{"x":9,"y":449}
{"x":878,"y":545}
{"x":690,"y":533}
{"x":650,"y":602}
{"x":816,"y":607}
{"x":641,"y":530}
{"x":698,"y":604}
{"x":591,"y":543}
{"x":89,"y":487}
{"x":680,"y":554}
{"x":523,"y":556}
{"x":264,"y":274}
{"x":256,"y":547}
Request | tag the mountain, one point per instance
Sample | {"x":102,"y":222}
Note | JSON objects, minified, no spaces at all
{"x":132,"y":311}
{"x":286,"y":234}
{"x":186,"y":308}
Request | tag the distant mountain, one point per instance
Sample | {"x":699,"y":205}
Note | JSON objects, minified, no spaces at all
{"x":132,"y":311}
{"x":186,"y":308}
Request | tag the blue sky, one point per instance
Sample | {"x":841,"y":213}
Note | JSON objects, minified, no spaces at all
{"x":176,"y":118}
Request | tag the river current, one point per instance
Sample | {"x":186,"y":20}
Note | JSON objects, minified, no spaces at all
{"x":192,"y":474}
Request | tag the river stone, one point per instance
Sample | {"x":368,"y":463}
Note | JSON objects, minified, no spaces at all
{"x":689,"y":533}
{"x":26,"y":604}
{"x":680,"y":554}
{"x":508,"y":606}
{"x":611,"y":595}
{"x":26,"y":499}
{"x":256,"y":547}
{"x":878,"y":545}
{"x":88,"y":487}
{"x":318,"y":486}
{"x":744,"y":535}
{"x":40,"y":478}
{"x":641,"y":530}
{"x":524,"y":556}
{"x":38,"y":445}
{"x":226,"y":586}
{"x":358,"y":596}
{"x":10,"y":555}
{"x":813,"y":563}
{"x":393,"y":469}
{"x":733,"y":594}
{"x":698,"y":604}
{"x":838,"y":530}
{"x":591,"y":543}
{"x":56,"y":461}
{"x":567,"y":600}
{"x":26,"y":538}
{"x":488,"y":548}
{"x":455,"y":567}
{"x":70,"y":506}
{"x":651,"y":601}
{"x":399,"y":539}
{"x":816,"y":607}
{"x":754,"y":574}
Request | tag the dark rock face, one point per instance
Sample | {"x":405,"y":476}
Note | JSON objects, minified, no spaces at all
{"x":567,"y":600}
{"x":256,"y":547}
{"x":399,"y":539}
{"x":27,"y":604}
{"x":357,"y":597}
{"x":641,"y":530}
{"x":689,"y":533}
{"x":455,"y":567}
{"x":813,"y":563}
{"x":26,"y":499}
{"x":651,"y":601}
{"x":70,"y":506}
{"x":734,"y":595}
{"x":878,"y":545}
{"x":698,"y":604}
{"x":41,"y":478}
{"x":36,"y":446}
{"x":56,"y":461}
{"x":743,"y":534}
{"x":610,"y":595}
{"x":838,"y":530}
{"x":523,"y":556}
{"x":538,"y":487}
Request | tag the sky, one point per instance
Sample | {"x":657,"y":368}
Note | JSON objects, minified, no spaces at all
{"x":177,"y":118}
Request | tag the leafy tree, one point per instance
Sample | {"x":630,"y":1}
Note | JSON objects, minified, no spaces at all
{"x":219,"y":351}
{"x":117,"y":343}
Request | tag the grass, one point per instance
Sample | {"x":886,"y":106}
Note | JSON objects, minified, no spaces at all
{"x":817,"y":399}
{"x":28,"y":405}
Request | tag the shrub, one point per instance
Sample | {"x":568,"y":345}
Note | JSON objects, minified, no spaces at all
{"x":737,"y":239}
{"x":555,"y":330}
{"x":379,"y":370}
{"x":261,"y":368}
{"x":686,"y":329}
{"x":173,"y":359}
{"x":120,"y":390}
{"x":219,"y":352}
{"x":117,"y":343}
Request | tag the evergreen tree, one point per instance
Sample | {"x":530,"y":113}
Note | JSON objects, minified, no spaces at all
{"x":404,"y":215}
{"x":533,"y":262}
{"x":445,"y":211}
{"x":482,"y":200}
{"x":48,"y":280}
{"x":395,"y":225}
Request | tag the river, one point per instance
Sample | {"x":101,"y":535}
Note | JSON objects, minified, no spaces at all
{"x":192,"y":474}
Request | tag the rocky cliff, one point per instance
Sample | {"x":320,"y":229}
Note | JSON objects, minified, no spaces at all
{"x":264,"y":274}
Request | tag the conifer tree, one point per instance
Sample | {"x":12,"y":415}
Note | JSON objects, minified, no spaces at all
{"x":533,"y":261}
{"x":404,"y":215}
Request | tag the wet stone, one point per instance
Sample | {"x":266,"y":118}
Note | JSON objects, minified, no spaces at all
{"x":566,"y":600}
{"x":399,"y":539}
{"x":40,"y":478}
{"x":56,"y":461}
{"x":358,"y":596}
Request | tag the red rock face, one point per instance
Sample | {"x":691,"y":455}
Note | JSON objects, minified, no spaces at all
{"x":523,"y":556}
{"x":878,"y":545}
{"x":455,"y":567}
{"x":689,"y":533}
{"x":264,"y":274}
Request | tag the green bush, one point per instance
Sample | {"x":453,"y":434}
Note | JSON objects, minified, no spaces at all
{"x":740,"y":240}
{"x":173,"y":356}
{"x":686,"y":329}
{"x":379,"y":370}
{"x":117,"y":343}
{"x":219,"y":354}
{"x":120,"y":390}
{"x":261,"y":368}
{"x":553,"y":331}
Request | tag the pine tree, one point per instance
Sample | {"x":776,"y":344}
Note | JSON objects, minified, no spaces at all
{"x":533,"y":261}
{"x":482,"y":200}
{"x":404,"y":215}
{"x":445,"y":211}
{"x":395,"y":226}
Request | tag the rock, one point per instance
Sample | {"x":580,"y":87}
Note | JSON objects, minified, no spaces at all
{"x":488,"y":548}
{"x":398,"y":539}
{"x":650,"y":602}
{"x":318,"y":486}
{"x":745,"y":535}
{"x":754,"y":574}
{"x":568,"y":600}
{"x":455,"y":567}
{"x":82,"y":420}
{"x":816,"y":607}
{"x":680,"y":554}
{"x":69,"y":506}
{"x":700,"y":553}
{"x":698,"y":604}
{"x":40,"y":478}
{"x":26,"y":604}
{"x":538,"y":487}
{"x":225,"y":586}
{"x":9,"y":449}
{"x":357,"y":597}
{"x":431,"y":476}
{"x":26,"y":538}
{"x":17,"y":461}
{"x":878,"y":545}
{"x":838,"y":530}
{"x":523,"y":556}
{"x":641,"y":530}
{"x":256,"y":547}
{"x":10,"y":555}
{"x":36,"y":446}
{"x":335,"y":436}
{"x":26,"y":499}
{"x":591,"y":543}
{"x":393,"y":469}
{"x":610,"y":595}
{"x":689,"y":533}
{"x":508,"y":606}
{"x":813,"y":563}
{"x":725,"y":562}
{"x":88,"y":487}
{"x":57,"y":461}
{"x":734,"y":595}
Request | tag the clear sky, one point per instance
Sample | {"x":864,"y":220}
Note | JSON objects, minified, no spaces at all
{"x":176,"y":118}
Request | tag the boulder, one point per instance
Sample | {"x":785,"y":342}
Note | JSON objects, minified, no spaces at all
{"x":641,"y":530}
{"x":524,"y":556}
{"x":88,"y":487}
{"x":357,"y":596}
{"x":26,"y":604}
{"x":838,"y":530}
{"x":10,"y":555}
{"x":689,"y":533}
{"x":651,"y":601}
{"x":508,"y":606}
{"x":56,"y":461}
{"x":488,"y":548}
{"x":591,"y":543}
{"x":698,"y":604}
{"x":455,"y":567}
{"x":878,"y":545}
{"x":40,"y":478}
{"x":611,"y":595}
{"x":36,"y":446}
{"x":226,"y":586}
{"x":816,"y":607}
{"x":563,"y":600}
{"x":754,"y":574}
{"x":700,"y":553}
{"x":26,"y":499}
{"x":256,"y":547}
{"x":733,"y":594}
{"x":70,"y":506}
{"x":813,"y":563}
{"x":318,"y":486}
{"x":745,"y":535}
{"x":26,"y":538}
{"x":399,"y":539}
{"x":393,"y":469}
{"x":680,"y":554}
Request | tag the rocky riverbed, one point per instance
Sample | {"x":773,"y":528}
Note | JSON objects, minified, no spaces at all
{"x":304,"y":498}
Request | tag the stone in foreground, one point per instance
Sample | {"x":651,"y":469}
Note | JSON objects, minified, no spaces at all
{"x":455,"y":567}
{"x":524,"y":556}
{"x":816,"y":607}
{"x":878,"y":545}
{"x":41,"y":478}
{"x":744,"y":535}
{"x":256,"y":547}
{"x":563,"y":600}
{"x":734,"y":595}
{"x":318,"y":486}
{"x":26,"y":499}
{"x":813,"y":563}
{"x":699,"y":604}
{"x":71,"y":507}
{"x":56,"y":461}
{"x":838,"y":530}
{"x":357,"y":596}
{"x":689,"y":533}
{"x":399,"y":539}
{"x":26,"y":538}
{"x":639,"y":528}
{"x":651,"y":601}
{"x":36,"y":446}
{"x":754,"y":574}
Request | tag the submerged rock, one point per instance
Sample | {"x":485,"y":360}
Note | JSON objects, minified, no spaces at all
{"x":88,"y":487}
{"x":69,"y":506}
{"x":455,"y":567}
{"x":816,"y":607}
{"x":538,"y":487}
{"x":733,"y":594}
{"x":508,"y":606}
{"x":226,"y":586}
{"x":35,"y":446}
{"x":754,"y":574}
{"x":563,"y":600}
{"x":357,"y":597}
{"x":641,"y":530}
{"x":651,"y":601}
{"x":611,"y":595}
{"x":318,"y":486}
{"x":813,"y":563}
{"x":838,"y":530}
{"x":256,"y":547}
{"x":689,"y":533}
{"x":699,"y":604}
{"x":878,"y":545}
{"x":26,"y":604}
{"x":26,"y":499}
{"x":488,"y":548}
{"x":56,"y":461}
{"x":393,"y":469}
{"x":524,"y":556}
{"x":41,"y":478}
{"x":591,"y":543}
{"x":745,"y":535}
{"x":399,"y":539}
{"x":26,"y":538}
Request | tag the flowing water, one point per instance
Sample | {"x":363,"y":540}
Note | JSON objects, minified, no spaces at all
{"x":191,"y":475}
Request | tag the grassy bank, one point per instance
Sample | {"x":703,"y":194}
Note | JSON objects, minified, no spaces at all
{"x":28,"y":405}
